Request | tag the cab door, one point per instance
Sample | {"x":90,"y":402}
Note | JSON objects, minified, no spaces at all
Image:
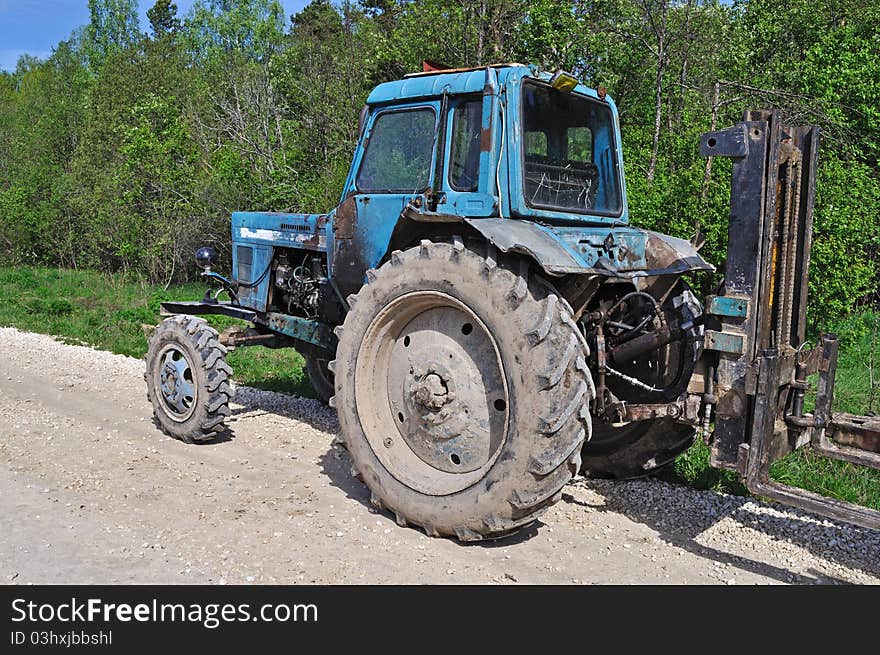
{"x":394,"y":165}
{"x":469,"y":171}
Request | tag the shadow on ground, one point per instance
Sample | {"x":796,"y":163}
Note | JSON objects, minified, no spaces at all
{"x":647,"y":501}
{"x":306,"y":410}
{"x":336,"y":465}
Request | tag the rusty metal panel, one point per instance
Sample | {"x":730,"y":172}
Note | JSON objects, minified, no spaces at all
{"x":726,"y":342}
{"x":732,"y":306}
{"x":301,"y":329}
{"x":528,"y":238}
{"x":730,"y":142}
{"x":623,"y":252}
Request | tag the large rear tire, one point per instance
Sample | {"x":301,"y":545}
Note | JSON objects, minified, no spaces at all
{"x":188,"y":379}
{"x":462,"y":390}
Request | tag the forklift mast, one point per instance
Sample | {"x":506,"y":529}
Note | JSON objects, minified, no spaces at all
{"x":758,"y":358}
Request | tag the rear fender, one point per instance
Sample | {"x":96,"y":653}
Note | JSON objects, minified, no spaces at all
{"x":616,"y":252}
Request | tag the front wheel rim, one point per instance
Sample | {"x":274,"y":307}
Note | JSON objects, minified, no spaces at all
{"x":431,"y":392}
{"x":175,"y":382}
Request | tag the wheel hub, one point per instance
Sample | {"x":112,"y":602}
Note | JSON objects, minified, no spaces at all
{"x":434,"y":384}
{"x":176,"y":383}
{"x":431,"y":392}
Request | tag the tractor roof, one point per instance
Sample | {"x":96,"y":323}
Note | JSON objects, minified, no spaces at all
{"x":434,"y":83}
{"x":466,"y":69}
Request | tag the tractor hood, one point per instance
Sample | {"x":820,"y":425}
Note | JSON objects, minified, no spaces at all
{"x":624,"y":251}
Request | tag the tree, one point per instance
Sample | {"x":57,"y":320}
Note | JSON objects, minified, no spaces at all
{"x":113,"y":26}
{"x":122,"y":151}
{"x":247,"y":29}
{"x":163,"y":18}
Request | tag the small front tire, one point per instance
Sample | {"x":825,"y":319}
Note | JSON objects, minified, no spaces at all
{"x":188,"y":379}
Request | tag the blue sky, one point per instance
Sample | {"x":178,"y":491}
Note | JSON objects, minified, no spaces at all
{"x":36,"y":26}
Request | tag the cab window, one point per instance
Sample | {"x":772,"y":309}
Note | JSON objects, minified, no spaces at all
{"x":464,"y":156}
{"x":399,"y":152}
{"x":568,"y":152}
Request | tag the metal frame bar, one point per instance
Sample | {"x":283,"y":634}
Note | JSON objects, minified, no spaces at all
{"x":755,"y":458}
{"x":198,"y":307}
{"x":747,"y":143}
{"x":309,"y":333}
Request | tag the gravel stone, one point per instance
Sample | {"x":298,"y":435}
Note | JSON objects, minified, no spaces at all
{"x":92,"y":493}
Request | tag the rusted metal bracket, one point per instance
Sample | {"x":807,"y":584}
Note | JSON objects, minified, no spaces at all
{"x":303,"y":330}
{"x":727,"y":341}
{"x":685,"y":409}
{"x":238,"y":335}
{"x":861,"y":432}
{"x":413,"y":212}
{"x":854,"y":439}
{"x":732,"y":306}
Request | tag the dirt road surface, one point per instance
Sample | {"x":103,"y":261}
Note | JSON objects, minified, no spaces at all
{"x":92,"y":492}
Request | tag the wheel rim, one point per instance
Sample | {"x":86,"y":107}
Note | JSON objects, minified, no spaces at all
{"x":176,"y":383}
{"x":431,"y":392}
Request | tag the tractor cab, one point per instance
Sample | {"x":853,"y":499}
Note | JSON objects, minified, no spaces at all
{"x":481,"y":146}
{"x":505,"y":141}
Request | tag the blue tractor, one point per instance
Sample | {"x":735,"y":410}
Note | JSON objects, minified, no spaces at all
{"x":488,"y":324}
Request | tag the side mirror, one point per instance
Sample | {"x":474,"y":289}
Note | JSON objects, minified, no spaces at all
{"x":206,"y":257}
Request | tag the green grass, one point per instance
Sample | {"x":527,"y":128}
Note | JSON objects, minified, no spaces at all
{"x":692,"y":468}
{"x":108,"y":312}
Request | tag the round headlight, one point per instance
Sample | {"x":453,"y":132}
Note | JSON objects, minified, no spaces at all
{"x":206,"y":257}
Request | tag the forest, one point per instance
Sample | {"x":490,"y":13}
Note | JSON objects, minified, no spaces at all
{"x":130,"y":145}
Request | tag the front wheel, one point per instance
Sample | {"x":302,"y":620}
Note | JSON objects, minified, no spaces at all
{"x":462,"y":390}
{"x":188,"y":379}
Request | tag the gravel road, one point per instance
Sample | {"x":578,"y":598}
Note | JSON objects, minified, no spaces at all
{"x":92,"y":492}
